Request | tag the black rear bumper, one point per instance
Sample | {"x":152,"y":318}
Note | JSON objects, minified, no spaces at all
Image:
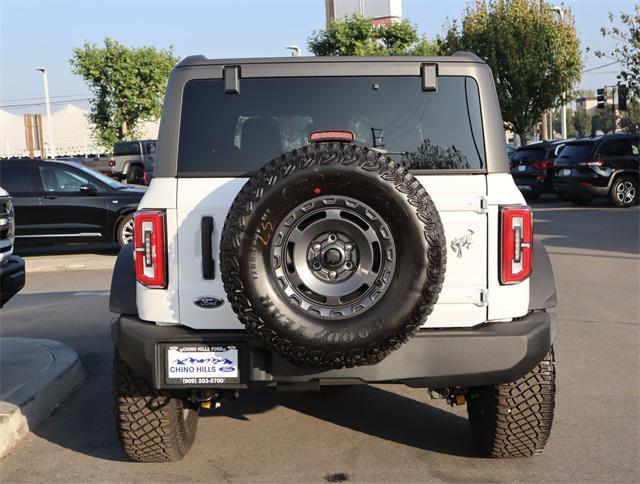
{"x":12,"y":278}
{"x":489,"y":354}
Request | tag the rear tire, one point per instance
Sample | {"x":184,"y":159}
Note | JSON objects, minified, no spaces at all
{"x":135,"y":175}
{"x":124,"y":230}
{"x":624,"y":192}
{"x":514,"y":419}
{"x":153,"y":426}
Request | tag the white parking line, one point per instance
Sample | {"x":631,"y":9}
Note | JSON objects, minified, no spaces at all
{"x":91,"y":293}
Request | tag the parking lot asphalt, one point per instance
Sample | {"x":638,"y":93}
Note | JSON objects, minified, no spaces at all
{"x":367,"y":433}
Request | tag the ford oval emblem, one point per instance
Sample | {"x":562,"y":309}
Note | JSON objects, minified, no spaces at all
{"x":208,"y":302}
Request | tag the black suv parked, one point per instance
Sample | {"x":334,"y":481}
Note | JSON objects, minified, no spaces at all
{"x":599,"y":167}
{"x":532,"y":167}
{"x":60,"y":201}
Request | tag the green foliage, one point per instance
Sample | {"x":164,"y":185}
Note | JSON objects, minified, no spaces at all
{"x":627,"y":50}
{"x":358,"y":37}
{"x":534,"y":56}
{"x":128,"y":86}
{"x":582,"y":122}
{"x":631,"y":120}
{"x":604,"y":120}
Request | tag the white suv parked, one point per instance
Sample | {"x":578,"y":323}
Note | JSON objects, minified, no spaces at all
{"x":325,"y":221}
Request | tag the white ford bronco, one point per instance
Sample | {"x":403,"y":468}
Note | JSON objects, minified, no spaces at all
{"x":325,"y":221}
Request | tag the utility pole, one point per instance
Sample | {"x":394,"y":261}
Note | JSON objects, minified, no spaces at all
{"x":563,"y":118}
{"x":52,"y":147}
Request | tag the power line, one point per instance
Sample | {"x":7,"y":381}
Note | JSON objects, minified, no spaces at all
{"x":600,"y":67}
{"x":33,"y":105}
{"x":40,"y":97}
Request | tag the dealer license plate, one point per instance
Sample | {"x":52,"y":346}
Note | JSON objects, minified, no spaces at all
{"x":200,"y":364}
{"x":522,"y":167}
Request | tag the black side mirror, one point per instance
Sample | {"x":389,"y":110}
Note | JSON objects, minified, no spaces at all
{"x":88,"y":188}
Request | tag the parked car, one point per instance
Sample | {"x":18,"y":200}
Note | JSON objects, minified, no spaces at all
{"x":511,"y":149}
{"x":60,"y":201}
{"x":602,"y":166}
{"x":12,"y":273}
{"x":129,"y":161}
{"x":280,"y":245}
{"x":532,"y":167}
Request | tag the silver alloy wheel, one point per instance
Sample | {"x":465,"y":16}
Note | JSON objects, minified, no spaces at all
{"x":333,"y":256}
{"x":126,"y":232}
{"x":625,"y":192}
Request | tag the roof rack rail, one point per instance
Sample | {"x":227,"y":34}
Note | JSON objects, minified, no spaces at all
{"x":187,"y":60}
{"x":468,"y":55}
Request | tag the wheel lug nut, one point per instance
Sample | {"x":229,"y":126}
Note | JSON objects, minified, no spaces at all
{"x":333,"y":274}
{"x":317,"y":266}
{"x":348,"y":247}
{"x":317,"y":247}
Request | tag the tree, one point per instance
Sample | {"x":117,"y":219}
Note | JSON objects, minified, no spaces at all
{"x":604,"y":120}
{"x":534,"y":56}
{"x":128,"y":85}
{"x":627,"y":50}
{"x":582,"y":122}
{"x":631,"y":119}
{"x":357,"y":36}
{"x":557,"y":120}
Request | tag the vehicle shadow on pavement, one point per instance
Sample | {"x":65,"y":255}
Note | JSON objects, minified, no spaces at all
{"x":66,"y":249}
{"x":366,"y":409}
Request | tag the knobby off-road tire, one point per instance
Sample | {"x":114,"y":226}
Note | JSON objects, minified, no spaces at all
{"x":350,"y":185}
{"x":135,"y":175}
{"x":514,"y":419}
{"x":153,"y":426}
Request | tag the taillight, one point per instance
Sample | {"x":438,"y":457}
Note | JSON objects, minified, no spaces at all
{"x":112,"y":162}
{"x":515,"y":244}
{"x":318,"y":136}
{"x":149,"y":248}
{"x":145,"y":177}
{"x":543,"y":165}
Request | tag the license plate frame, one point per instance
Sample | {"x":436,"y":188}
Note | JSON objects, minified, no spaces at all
{"x":215,"y":364}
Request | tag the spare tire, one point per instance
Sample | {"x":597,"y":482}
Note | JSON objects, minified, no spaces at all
{"x":333,"y":255}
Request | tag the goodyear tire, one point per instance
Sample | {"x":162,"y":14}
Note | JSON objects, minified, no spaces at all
{"x":514,"y":419}
{"x":333,"y":255}
{"x":153,"y":426}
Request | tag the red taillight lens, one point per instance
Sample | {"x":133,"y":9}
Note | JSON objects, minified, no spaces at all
{"x":149,"y":248}
{"x":112,"y":162}
{"x":317,"y":136}
{"x":543,"y":165}
{"x":515,"y":244}
{"x":145,"y":177}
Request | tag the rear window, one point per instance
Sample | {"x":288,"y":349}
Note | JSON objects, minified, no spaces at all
{"x":529,"y":154}
{"x":576,"y":151}
{"x":126,"y":149}
{"x":17,"y":178}
{"x":223,"y":135}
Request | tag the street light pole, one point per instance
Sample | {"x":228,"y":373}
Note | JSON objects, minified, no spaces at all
{"x":563,"y":117}
{"x":52,"y":147}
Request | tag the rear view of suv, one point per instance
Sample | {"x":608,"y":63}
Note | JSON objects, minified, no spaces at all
{"x":602,"y":166}
{"x":332,"y":221}
{"x":532,"y":167}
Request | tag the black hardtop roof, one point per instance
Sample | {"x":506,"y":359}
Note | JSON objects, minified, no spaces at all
{"x":200,"y":60}
{"x":601,"y":137}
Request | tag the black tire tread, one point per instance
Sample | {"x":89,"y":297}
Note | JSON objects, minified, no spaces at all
{"x":150,"y":424}
{"x":356,"y":157}
{"x":514,"y":419}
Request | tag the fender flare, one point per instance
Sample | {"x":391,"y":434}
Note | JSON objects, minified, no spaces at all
{"x":623,"y":171}
{"x":122,"y":298}
{"x":542,"y":283}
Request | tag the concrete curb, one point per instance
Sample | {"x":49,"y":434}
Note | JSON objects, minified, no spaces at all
{"x":37,"y":376}
{"x":69,"y":263}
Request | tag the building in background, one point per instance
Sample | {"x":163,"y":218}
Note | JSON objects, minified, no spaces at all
{"x":21,"y":135}
{"x":382,"y":12}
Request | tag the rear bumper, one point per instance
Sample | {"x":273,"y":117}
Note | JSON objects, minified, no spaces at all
{"x":490,"y":354}
{"x":533,"y":184}
{"x":584,"y":185}
{"x":12,"y":278}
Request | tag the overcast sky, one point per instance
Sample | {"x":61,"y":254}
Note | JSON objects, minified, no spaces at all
{"x":43,"y":33}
